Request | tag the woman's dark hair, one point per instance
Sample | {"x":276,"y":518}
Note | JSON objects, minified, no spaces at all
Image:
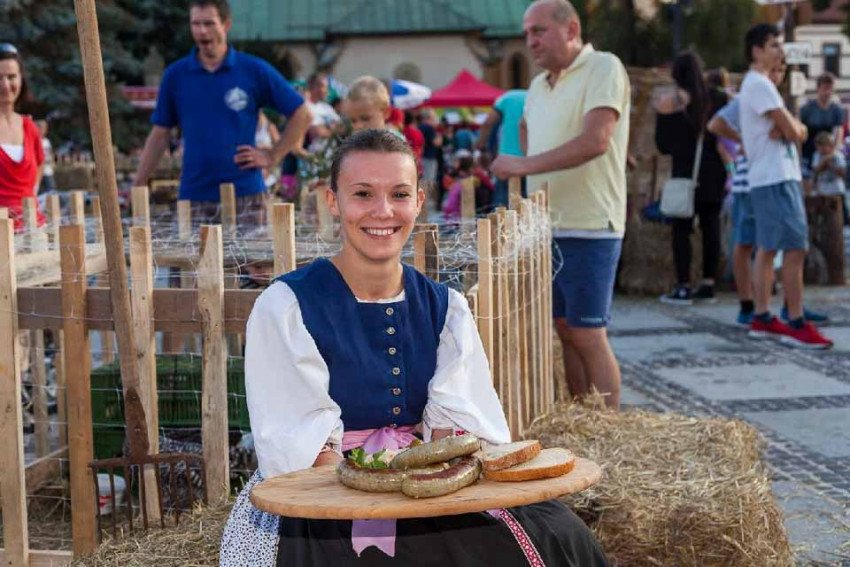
{"x":371,"y":140}
{"x":687,"y":72}
{"x":757,"y":36}
{"x":24,"y":94}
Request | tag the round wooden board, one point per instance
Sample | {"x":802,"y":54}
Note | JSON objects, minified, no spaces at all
{"x":317,"y":494}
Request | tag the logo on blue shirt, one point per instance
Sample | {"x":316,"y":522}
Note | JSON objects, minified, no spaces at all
{"x":236,"y":99}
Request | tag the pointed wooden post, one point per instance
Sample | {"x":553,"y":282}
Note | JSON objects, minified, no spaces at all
{"x":214,"y":389}
{"x":78,"y":376}
{"x":283,"y":223}
{"x":12,"y":480}
{"x":228,"y":209}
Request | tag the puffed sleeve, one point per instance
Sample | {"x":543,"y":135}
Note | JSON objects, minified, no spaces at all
{"x":461,"y":394}
{"x":286,"y":383}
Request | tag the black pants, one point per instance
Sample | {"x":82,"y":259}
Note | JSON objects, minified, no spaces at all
{"x":709,"y":225}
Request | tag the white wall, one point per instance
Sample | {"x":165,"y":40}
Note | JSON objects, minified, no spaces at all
{"x":439,"y":58}
{"x":819,"y":34}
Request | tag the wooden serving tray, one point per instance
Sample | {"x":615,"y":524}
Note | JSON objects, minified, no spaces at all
{"x":316,"y":493}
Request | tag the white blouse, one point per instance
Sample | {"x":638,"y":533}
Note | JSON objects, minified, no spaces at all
{"x":287,"y":380}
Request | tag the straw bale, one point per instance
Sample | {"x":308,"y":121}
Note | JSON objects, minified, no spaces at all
{"x":194,"y":542}
{"x":675,"y":491}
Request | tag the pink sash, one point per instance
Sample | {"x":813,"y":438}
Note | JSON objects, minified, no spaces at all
{"x":380,"y":533}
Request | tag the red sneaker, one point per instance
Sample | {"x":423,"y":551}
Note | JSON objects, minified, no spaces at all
{"x":773,"y":329}
{"x":806,"y":336}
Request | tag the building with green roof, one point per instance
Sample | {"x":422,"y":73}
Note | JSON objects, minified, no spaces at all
{"x":425,"y":41}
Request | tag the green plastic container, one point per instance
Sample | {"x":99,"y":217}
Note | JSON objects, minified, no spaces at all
{"x":179,"y":381}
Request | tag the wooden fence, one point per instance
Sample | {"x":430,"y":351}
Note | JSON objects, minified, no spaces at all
{"x":509,"y":292}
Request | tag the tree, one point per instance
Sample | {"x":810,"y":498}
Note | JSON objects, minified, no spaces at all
{"x":640,"y":31}
{"x":45,"y":33}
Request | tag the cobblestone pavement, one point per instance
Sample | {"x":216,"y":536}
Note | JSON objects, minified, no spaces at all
{"x":695,"y":361}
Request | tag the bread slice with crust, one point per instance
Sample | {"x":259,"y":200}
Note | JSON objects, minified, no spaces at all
{"x":548,"y":463}
{"x":500,"y":457}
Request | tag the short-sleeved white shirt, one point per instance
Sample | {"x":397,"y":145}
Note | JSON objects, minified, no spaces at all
{"x":771,"y":161}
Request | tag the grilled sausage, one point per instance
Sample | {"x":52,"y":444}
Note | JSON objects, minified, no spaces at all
{"x":462,"y":472}
{"x":378,"y":480}
{"x":439,"y":451}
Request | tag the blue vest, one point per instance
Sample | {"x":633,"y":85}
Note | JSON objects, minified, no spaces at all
{"x":381,"y":356}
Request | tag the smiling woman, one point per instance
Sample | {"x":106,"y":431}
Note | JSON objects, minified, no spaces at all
{"x":363,"y":351}
{"x":21,"y":152}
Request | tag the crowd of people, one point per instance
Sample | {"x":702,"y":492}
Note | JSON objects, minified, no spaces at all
{"x":746,"y":148}
{"x":409,"y":362}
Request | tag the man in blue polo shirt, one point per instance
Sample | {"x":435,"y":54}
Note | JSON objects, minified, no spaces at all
{"x":215,"y":95}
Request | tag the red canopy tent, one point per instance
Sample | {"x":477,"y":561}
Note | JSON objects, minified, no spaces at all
{"x":465,"y":90}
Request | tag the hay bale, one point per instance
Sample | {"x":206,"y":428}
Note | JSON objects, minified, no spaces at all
{"x":194,"y":542}
{"x":675,"y":490}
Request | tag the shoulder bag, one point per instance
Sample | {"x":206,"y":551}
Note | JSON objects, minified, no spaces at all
{"x":677,"y":195}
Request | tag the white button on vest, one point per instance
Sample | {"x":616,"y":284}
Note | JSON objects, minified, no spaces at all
{"x":390,"y":311}
{"x":396,"y":371}
{"x":396,"y":410}
{"x":392,"y":350}
{"x":390,"y":330}
{"x":396,"y":391}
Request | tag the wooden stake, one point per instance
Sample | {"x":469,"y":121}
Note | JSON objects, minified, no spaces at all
{"x":141,"y":205}
{"x":61,"y":384}
{"x":81,"y":450}
{"x":514,"y":192}
{"x":467,"y":203}
{"x":54,"y":217}
{"x":141,"y":272}
{"x":228,"y":209}
{"x":214,"y":394}
{"x":78,"y":208}
{"x":485,"y":289}
{"x":548,"y":355}
{"x":525,"y":301}
{"x":184,"y":219}
{"x":325,"y":218}
{"x":87,"y":31}
{"x":426,"y":250}
{"x":513,"y":351}
{"x":497,"y":260}
{"x":35,"y":240}
{"x":107,"y":338}
{"x":283,"y":223}
{"x":97,"y":216}
{"x":38,"y":372}
{"x":12,"y":480}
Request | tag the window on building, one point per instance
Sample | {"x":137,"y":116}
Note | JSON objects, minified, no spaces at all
{"x":832,"y":58}
{"x":408,"y":72}
{"x":518,"y":71}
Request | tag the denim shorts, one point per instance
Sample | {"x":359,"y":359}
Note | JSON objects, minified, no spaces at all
{"x":780,"y":216}
{"x":743,"y":221}
{"x":583,"y":284}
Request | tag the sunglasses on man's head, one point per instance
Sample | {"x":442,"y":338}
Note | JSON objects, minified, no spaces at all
{"x":8,"y":48}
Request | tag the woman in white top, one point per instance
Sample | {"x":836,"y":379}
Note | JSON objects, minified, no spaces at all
{"x":361,"y":350}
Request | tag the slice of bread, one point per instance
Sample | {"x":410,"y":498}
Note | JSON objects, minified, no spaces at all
{"x":548,"y":464}
{"x":500,"y":457}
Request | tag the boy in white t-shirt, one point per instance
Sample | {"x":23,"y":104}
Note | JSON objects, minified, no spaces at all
{"x":770,"y":135}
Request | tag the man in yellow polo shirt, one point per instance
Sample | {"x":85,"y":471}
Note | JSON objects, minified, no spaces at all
{"x":576,"y":129}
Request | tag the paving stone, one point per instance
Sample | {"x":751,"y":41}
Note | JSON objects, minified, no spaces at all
{"x":741,"y":382}
{"x":840,"y":336}
{"x":670,"y":345}
{"x":814,"y":524}
{"x":631,"y":397}
{"x":821,"y":430}
{"x":631,"y":316}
